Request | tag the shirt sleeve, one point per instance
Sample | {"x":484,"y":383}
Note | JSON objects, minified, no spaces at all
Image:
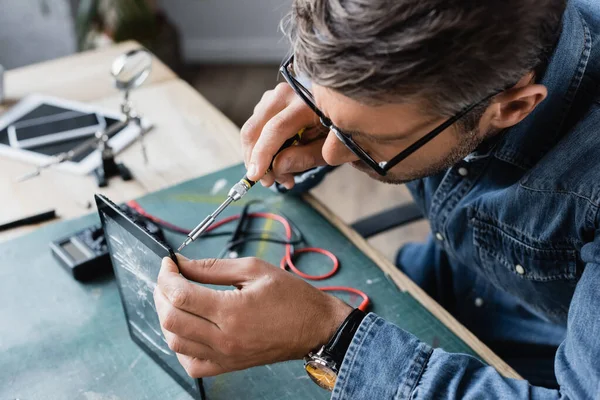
{"x":386,"y":362}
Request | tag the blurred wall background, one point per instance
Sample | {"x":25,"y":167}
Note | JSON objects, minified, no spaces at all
{"x":229,"y":30}
{"x":35,"y":30}
{"x":210,"y":31}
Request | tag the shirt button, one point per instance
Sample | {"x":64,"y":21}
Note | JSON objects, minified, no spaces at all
{"x":439,"y":237}
{"x":462,"y":171}
{"x":478,"y":302}
{"x":520,"y":270}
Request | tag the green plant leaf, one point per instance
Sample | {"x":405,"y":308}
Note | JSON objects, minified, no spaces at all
{"x":86,"y":15}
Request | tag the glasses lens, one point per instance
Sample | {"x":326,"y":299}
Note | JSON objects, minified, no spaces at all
{"x":305,"y":90}
{"x":356,"y":149}
{"x":305,"y":84}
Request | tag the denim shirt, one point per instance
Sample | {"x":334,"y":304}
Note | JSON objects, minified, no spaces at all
{"x":521,"y":215}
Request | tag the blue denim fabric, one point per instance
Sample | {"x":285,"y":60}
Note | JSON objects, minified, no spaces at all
{"x":515,"y":253}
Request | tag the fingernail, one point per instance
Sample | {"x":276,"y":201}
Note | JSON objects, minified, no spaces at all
{"x":289,"y":185}
{"x":266,"y":183}
{"x":252,"y":170}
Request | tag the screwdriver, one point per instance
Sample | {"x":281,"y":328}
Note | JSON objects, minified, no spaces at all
{"x":238,"y":191}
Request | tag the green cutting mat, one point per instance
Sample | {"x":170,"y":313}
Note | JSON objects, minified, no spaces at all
{"x":60,"y":339}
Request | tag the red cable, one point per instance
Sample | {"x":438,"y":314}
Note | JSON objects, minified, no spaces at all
{"x":286,"y":261}
{"x":365,"y":303}
{"x":136,"y":206}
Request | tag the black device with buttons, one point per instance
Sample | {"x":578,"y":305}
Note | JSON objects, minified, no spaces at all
{"x":84,"y":254}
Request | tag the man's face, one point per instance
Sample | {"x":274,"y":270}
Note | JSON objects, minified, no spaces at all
{"x":383,"y":131}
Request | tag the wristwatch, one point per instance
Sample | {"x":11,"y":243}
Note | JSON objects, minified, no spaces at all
{"x":324,"y":365}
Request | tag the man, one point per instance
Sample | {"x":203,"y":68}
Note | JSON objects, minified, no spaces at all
{"x":490,"y":111}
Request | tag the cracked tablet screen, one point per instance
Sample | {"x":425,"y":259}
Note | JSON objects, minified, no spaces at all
{"x":137,"y":268}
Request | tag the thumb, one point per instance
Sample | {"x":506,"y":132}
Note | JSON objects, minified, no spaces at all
{"x":214,"y":271}
{"x":168,"y":266}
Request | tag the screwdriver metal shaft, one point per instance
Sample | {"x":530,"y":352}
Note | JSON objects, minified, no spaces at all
{"x":238,"y":191}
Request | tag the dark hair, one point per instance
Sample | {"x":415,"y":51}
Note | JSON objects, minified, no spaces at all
{"x":449,"y":53}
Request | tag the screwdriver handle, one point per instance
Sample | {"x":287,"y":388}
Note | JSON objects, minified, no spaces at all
{"x":290,"y":142}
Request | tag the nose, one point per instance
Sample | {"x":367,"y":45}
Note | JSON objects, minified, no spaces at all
{"x":335,"y":152}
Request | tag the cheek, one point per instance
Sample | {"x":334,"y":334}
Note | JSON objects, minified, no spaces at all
{"x":336,"y":153}
{"x":442,"y":152}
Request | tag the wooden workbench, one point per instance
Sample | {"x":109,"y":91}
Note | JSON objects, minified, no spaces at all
{"x":178,"y":148}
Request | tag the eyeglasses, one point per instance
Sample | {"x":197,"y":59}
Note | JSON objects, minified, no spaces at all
{"x":382,"y":167}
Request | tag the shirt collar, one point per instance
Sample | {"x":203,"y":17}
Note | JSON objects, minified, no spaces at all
{"x":524,"y":144}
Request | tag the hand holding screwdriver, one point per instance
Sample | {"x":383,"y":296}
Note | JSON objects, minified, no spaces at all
{"x":278,"y":116}
{"x":238,"y":191}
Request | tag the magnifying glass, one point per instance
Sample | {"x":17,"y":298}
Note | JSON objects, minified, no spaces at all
{"x":131,"y":69}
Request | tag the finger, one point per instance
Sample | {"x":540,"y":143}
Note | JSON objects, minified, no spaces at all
{"x":315,"y":132}
{"x":251,"y":131}
{"x":269,"y":105}
{"x":184,"y":324}
{"x":198,"y":368}
{"x":287,"y":181}
{"x":215,"y":272}
{"x":298,"y":159}
{"x":185,"y":295}
{"x":188,"y":347}
{"x":276,"y":131}
{"x":268,"y":180}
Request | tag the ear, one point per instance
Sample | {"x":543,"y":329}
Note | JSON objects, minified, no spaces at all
{"x":512,"y":106}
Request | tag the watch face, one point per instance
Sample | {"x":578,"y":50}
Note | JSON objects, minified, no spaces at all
{"x":321,"y":374}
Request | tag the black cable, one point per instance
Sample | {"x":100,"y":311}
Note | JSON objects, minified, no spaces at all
{"x":295,"y":231}
{"x":260,"y":237}
{"x":238,"y":232}
{"x":240,"y":236}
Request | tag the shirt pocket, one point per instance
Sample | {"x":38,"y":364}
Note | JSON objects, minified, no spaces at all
{"x":542,"y":275}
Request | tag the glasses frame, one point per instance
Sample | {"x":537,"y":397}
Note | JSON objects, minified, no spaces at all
{"x":380,"y":167}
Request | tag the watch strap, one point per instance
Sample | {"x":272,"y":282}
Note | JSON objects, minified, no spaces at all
{"x":338,"y":345}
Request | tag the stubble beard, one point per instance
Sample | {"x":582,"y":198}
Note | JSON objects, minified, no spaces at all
{"x":468,"y":143}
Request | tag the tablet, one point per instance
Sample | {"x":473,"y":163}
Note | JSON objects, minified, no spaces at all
{"x":136,"y":256}
{"x":39,"y":127}
{"x":61,"y":127}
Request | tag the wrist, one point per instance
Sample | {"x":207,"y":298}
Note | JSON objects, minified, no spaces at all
{"x":338,"y":313}
{"x":323,"y":365}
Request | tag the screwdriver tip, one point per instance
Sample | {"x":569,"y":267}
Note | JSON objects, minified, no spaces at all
{"x":184,"y":244}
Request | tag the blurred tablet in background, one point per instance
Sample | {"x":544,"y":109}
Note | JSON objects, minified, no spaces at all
{"x":40,"y":127}
{"x":56,"y":128}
